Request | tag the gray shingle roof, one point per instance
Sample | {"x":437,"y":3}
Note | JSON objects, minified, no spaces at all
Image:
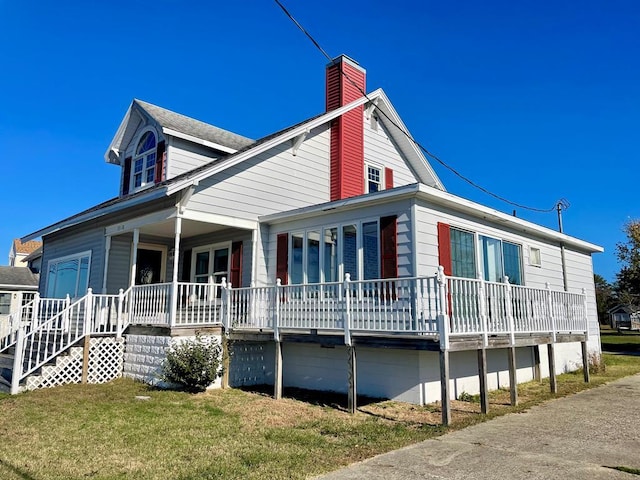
{"x":190,"y":126}
{"x":18,"y":276}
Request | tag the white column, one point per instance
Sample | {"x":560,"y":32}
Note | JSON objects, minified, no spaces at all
{"x":134,"y":256}
{"x":174,"y":276}
{"x":107,"y":249}
{"x":254,"y":255}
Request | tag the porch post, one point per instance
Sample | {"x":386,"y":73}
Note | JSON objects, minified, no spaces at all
{"x":174,"y":276}
{"x":107,"y":249}
{"x":134,"y":256}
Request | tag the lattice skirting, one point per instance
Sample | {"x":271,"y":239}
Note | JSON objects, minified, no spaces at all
{"x":106,"y":358}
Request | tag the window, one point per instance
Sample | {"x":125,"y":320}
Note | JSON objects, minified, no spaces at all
{"x":144,"y":161}
{"x":5,"y":303}
{"x":210,"y":264}
{"x":328,"y":254}
{"x":463,"y":254}
{"x":374,"y":179}
{"x":535,"y":257}
{"x":68,"y":276}
{"x":501,"y":258}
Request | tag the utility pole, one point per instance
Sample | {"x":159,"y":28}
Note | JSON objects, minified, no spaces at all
{"x":563,"y":204}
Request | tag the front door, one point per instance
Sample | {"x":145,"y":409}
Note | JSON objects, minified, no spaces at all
{"x":150,"y":265}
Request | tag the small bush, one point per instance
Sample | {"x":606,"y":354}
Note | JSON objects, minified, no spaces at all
{"x":193,"y":364}
{"x":467,"y":397}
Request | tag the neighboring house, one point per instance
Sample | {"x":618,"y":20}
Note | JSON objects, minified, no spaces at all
{"x":347,"y":213}
{"x":34,"y":260}
{"x":20,"y":251}
{"x":18,"y":286}
{"x":620,"y":315}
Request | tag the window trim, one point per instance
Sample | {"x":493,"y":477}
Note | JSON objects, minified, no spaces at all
{"x":65,"y":258}
{"x":210,"y":248}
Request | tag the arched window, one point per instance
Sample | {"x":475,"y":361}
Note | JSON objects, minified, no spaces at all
{"x":144,"y":162}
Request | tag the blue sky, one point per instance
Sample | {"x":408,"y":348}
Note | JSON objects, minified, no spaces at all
{"x":535,"y":101}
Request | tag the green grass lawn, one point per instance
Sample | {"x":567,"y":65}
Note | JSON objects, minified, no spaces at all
{"x":622,"y":341}
{"x":104,"y":432}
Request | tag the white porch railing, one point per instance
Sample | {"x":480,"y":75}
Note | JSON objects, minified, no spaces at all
{"x":449,"y":307}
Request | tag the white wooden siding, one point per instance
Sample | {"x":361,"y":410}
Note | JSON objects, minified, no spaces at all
{"x":183,"y":156}
{"x":119,"y":263}
{"x":71,"y":243}
{"x":379,"y":149}
{"x":274,"y":181}
{"x":579,"y":265}
{"x":402,"y":209}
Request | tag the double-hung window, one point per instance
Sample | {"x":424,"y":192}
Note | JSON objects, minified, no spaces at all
{"x":374,"y":179}
{"x":5,"y":303}
{"x":68,"y":276}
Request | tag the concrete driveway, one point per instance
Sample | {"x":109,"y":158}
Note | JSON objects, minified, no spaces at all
{"x":575,"y":437}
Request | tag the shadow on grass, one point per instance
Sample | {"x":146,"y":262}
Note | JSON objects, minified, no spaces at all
{"x":20,"y":473}
{"x":336,"y":400}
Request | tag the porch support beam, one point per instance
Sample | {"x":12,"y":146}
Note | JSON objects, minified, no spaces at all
{"x":174,"y":273}
{"x":255,"y":238}
{"x":482,"y":374}
{"x":220,"y":219}
{"x":351,"y":373}
{"x":537,"y":375}
{"x":552,"y":367}
{"x":134,"y":256}
{"x":585,"y":362}
{"x":107,"y":249}
{"x":277,"y":388}
{"x":513,"y":376}
{"x":445,"y":398}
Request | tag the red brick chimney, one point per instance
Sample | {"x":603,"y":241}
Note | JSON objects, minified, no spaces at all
{"x":347,"y":132}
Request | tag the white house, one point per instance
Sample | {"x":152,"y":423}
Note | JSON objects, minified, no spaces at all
{"x":330,"y":237}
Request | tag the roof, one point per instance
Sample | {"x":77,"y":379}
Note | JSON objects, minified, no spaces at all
{"x":37,"y":253}
{"x":196,"y":128}
{"x":26,"y":247}
{"x":434,"y":197}
{"x":169,"y":187}
{"x":18,"y":277}
{"x":172,"y":123}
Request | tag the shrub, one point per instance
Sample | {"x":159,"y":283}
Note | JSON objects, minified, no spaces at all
{"x":193,"y":364}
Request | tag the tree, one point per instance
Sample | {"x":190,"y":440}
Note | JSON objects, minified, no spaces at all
{"x":604,"y":297}
{"x":627,"y":286}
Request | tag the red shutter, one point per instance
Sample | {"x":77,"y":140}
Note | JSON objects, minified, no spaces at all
{"x":235,"y":276}
{"x":160,"y":158}
{"x":388,"y":178}
{"x":388,"y":247}
{"x":282,"y":258}
{"x":126,"y":176}
{"x":444,"y":247}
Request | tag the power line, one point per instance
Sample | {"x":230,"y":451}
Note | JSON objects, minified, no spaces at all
{"x":404,"y":132}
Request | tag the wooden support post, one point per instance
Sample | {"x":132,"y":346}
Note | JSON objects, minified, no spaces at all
{"x":513,"y":377}
{"x":482,"y":374}
{"x":537,"y":375}
{"x":552,"y":367}
{"x":352,"y":397}
{"x":585,"y":362}
{"x":85,"y":359}
{"x":277,"y":390}
{"x":225,"y":362}
{"x":444,"y":387}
